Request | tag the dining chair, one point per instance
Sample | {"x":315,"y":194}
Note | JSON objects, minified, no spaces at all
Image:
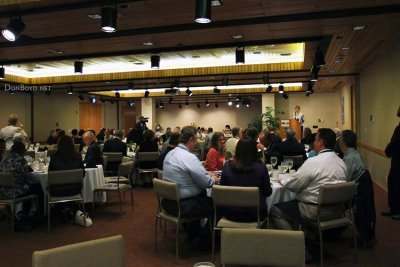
{"x":57,"y":179}
{"x":336,"y":197}
{"x":297,"y":160}
{"x":126,"y":159}
{"x":170,"y":191}
{"x":113,"y":161}
{"x":143,"y":158}
{"x":7,"y":180}
{"x":77,"y":147}
{"x":234,"y":196}
{"x":104,"y":252}
{"x":124,"y":171}
{"x":262,"y":247}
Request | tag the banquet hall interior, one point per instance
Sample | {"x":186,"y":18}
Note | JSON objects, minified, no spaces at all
{"x":338,"y":60}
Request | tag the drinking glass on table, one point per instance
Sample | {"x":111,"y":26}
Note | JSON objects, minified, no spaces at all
{"x":270,"y":169}
{"x":290,"y":163}
{"x":274,"y":161}
{"x":41,"y":157}
{"x":284,"y":166}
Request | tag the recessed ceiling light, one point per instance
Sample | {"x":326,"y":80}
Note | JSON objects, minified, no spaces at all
{"x":332,"y":71}
{"x":55,"y":51}
{"x":94,"y":16}
{"x":107,"y":82}
{"x":148,"y":43}
{"x":345,"y":48}
{"x":285,"y":54}
{"x":216,"y":3}
{"x":358,"y":27}
{"x":237,"y":36}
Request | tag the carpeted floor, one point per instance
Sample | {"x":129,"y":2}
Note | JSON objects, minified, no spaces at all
{"x":137,"y":227}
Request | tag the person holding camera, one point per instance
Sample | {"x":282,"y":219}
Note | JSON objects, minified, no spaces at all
{"x":140,"y":127}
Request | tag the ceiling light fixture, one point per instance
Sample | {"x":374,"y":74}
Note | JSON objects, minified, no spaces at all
{"x":187,"y":103}
{"x":78,"y":66}
{"x":216,"y":90}
{"x":176,"y":83}
{"x":216,"y":3}
{"x":237,"y":104}
{"x":319,"y":58}
{"x":70,"y":89}
{"x":130,"y":86}
{"x":189,"y":92}
{"x":281,"y":89}
{"x":155,"y":61}
{"x":14,"y":29}
{"x":240,"y":55}
{"x":94,"y":16}
{"x":93,"y":100}
{"x":146,"y":93}
{"x":269,"y":89}
{"x":359,"y":27}
{"x":180,"y":106}
{"x":170,"y":100}
{"x":237,"y":36}
{"x":285,"y":96}
{"x":203,"y":11}
{"x":230,"y":102}
{"x":148,"y":43}
{"x":265,"y":78}
{"x":225,"y":81}
{"x":207,"y":103}
{"x":131,"y":103}
{"x":198,"y":105}
{"x":216,"y":105}
{"x":102,"y":100}
{"x":314,"y":73}
{"x":161,"y":105}
{"x":108,"y":19}
{"x":81,"y":97}
{"x":117,"y":94}
{"x":2,"y":73}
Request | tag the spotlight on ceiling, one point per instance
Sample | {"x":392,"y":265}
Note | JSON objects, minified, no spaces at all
{"x":2,"y":73}
{"x":230,"y":102}
{"x":131,"y":103}
{"x":319,"y":58}
{"x":186,"y":103}
{"x":155,"y":61}
{"x":156,"y":105}
{"x":198,"y":105}
{"x":176,"y":83}
{"x":314,"y":73}
{"x":237,"y":104}
{"x":285,"y":96}
{"x":216,"y":90}
{"x":93,"y":100}
{"x":281,"y":89}
{"x":130,"y":86}
{"x":310,"y":89}
{"x":81,"y":97}
{"x":70,"y":89}
{"x":189,"y":92}
{"x":246,"y":103}
{"x":161,"y":105}
{"x":78,"y":66}
{"x":240,"y":55}
{"x":108,"y":19}
{"x":146,"y":93}
{"x":207,"y":103}
{"x":180,"y":106}
{"x":269,"y":89}
{"x":203,"y":11}
{"x":117,"y":94}
{"x":14,"y":29}
{"x":225,"y":81}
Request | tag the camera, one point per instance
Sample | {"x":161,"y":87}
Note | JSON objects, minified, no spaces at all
{"x":144,"y":120}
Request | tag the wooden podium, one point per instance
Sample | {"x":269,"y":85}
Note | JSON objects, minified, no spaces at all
{"x":292,"y":123}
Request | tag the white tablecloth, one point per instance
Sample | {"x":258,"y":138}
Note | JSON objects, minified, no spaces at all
{"x":279,"y":194}
{"x":93,"y":177}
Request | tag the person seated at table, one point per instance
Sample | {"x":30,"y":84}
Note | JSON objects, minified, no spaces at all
{"x":115,"y":145}
{"x":173,"y":142}
{"x":275,"y":137}
{"x":351,"y":157}
{"x":291,"y":147}
{"x":216,"y":154}
{"x":25,"y":182}
{"x":306,"y":133}
{"x":310,"y":142}
{"x":93,"y":154}
{"x":7,"y":133}
{"x":231,"y":143}
{"x":100,"y":136}
{"x":267,"y":145}
{"x":246,"y":170}
{"x":53,"y":138}
{"x":252,"y":133}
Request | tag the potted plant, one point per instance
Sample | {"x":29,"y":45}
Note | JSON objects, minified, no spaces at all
{"x":267,"y":119}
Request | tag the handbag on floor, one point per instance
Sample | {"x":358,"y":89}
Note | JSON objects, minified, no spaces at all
{"x":83,"y":219}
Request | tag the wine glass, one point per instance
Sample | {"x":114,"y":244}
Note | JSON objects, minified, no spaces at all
{"x":290,"y":163}
{"x":274,"y":161}
{"x":285,"y":167}
{"x":269,"y":168}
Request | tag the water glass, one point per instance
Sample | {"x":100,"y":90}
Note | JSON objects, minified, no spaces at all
{"x":269,"y":168}
{"x":274,"y":161}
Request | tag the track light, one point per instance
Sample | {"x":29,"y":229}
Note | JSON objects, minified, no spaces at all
{"x":176,"y":84}
{"x":314,"y":73}
{"x":117,"y":94}
{"x":207,"y":103}
{"x":93,"y":100}
{"x":225,"y":81}
{"x":2,"y":73}
{"x":281,"y":89}
{"x":240,"y":55}
{"x":78,"y":66}
{"x":285,"y":96}
{"x":230,"y":102}
{"x":161,"y":105}
{"x":216,"y":90}
{"x":237,"y":104}
{"x":269,"y":89}
{"x":180,"y":106}
{"x":319,"y":58}
{"x":203,"y":11}
{"x":146,"y":93}
{"x":186,"y":103}
{"x":70,"y":90}
{"x":189,"y":92}
{"x":14,"y":29}
{"x":216,"y":105}
{"x":156,"y":105}
{"x":198,"y":105}
{"x":155,"y":61}
{"x":131,"y":103}
{"x":81,"y":97}
{"x":108,"y":19}
{"x":130,"y":86}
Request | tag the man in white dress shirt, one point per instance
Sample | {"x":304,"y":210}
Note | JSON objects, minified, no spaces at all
{"x":7,"y":133}
{"x":325,"y":168}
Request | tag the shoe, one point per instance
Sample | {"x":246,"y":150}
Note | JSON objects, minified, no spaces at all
{"x":386,"y":213}
{"x":396,"y":216}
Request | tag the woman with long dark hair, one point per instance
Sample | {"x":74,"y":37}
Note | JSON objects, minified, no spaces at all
{"x":246,"y":169}
{"x":216,"y":154}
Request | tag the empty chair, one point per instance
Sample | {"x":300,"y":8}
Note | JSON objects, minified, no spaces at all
{"x":104,"y":252}
{"x":170,"y":191}
{"x":143,"y":158}
{"x":7,"y":180}
{"x":262,"y":247}
{"x":338,"y":197}
{"x":234,"y":196}
{"x":297,"y":160}
{"x":58,"y":179}
{"x":124,"y":171}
